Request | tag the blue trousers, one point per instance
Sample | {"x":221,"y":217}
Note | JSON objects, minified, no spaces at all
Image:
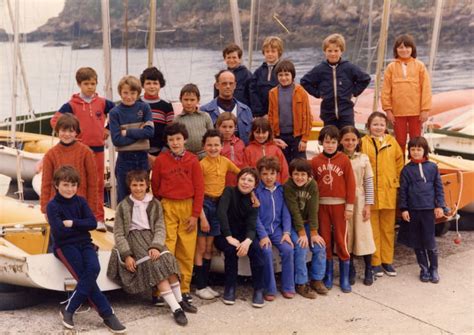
{"x":291,"y":151}
{"x":344,"y":120}
{"x":231,"y":262}
{"x":83,"y":263}
{"x":318,"y":261}
{"x":126,"y":162}
{"x":287,"y":266}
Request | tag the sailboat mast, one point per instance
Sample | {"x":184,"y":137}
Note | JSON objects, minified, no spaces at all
{"x":435,"y":36}
{"x":16,"y":47}
{"x":108,"y":93}
{"x":125,"y":37}
{"x":234,"y":11}
{"x":20,"y":62}
{"x":251,"y":32}
{"x":151,"y":32}
{"x":381,"y":51}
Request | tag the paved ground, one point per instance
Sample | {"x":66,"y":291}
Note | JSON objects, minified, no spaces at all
{"x":400,"y":305}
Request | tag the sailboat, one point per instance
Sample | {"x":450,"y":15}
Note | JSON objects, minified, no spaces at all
{"x":24,"y":237}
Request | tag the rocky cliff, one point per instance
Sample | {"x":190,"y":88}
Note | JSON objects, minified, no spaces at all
{"x":207,"y":23}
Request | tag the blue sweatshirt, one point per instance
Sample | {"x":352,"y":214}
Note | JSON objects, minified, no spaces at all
{"x":273,"y":212}
{"x":259,"y":87}
{"x":123,"y":116}
{"x":75,"y":209}
{"x":421,"y":187}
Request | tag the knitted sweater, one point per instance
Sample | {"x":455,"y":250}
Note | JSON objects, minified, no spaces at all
{"x":123,"y":222}
{"x":303,"y":204}
{"x":178,"y":179}
{"x":162,"y":114}
{"x":197,"y":124}
{"x":75,"y":209}
{"x":79,"y":157}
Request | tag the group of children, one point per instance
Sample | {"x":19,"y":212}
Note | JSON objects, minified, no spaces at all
{"x":221,"y":179}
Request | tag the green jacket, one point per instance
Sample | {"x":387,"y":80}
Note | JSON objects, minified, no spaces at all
{"x":303,"y":203}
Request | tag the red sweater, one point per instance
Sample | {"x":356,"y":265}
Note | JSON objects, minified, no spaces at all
{"x":335,"y":178}
{"x":79,"y":157}
{"x":254,"y":151}
{"x":178,"y":179}
{"x":234,"y":150}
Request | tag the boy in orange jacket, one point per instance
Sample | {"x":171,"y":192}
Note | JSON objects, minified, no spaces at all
{"x":333,"y":172}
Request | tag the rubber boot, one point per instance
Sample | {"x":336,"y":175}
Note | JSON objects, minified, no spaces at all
{"x":328,"y":277}
{"x":433,"y":257}
{"x":344,"y":276}
{"x":422,"y":260}
{"x":352,"y":272}
{"x":369,"y":276}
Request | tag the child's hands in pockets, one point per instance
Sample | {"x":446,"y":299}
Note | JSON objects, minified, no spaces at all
{"x":265,"y":243}
{"x":130,"y":264}
{"x":191,"y":224}
{"x":154,"y":254}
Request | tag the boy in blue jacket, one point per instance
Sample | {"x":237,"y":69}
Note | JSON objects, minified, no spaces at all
{"x":71,"y":219}
{"x":421,"y":200}
{"x":264,"y":77}
{"x":335,"y":81}
{"x":131,"y":127}
{"x":274,"y":228}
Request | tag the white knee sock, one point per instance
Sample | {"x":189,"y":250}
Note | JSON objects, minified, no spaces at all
{"x":170,"y":300}
{"x":175,"y":287}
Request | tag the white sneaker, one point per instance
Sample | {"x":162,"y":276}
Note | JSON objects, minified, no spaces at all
{"x":205,"y":294}
{"x":101,"y":226}
{"x":215,"y":293}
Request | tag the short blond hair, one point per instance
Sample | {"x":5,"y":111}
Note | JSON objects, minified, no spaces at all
{"x":336,"y":39}
{"x":131,"y":81}
{"x":274,"y":42}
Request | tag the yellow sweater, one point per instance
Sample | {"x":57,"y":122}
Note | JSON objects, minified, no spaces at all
{"x":406,"y":92}
{"x":215,"y":170}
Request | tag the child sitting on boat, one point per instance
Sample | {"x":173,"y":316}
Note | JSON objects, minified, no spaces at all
{"x":91,"y":110}
{"x":140,"y":259}
{"x":421,"y":200}
{"x":71,"y":219}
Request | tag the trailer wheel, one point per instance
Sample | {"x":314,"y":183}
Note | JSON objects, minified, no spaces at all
{"x":16,"y":297}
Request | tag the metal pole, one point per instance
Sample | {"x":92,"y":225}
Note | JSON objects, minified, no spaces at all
{"x":108,"y":93}
{"x":151,"y":32}
{"x":435,"y":36}
{"x":251,"y":32}
{"x":16,"y":46}
{"x":369,"y":36}
{"x":234,"y":10}
{"x":125,"y":8}
{"x":381,"y":51}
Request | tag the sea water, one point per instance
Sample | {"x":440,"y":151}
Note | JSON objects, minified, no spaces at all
{"x":50,"y":71}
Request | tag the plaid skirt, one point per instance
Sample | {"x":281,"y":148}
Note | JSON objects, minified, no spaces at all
{"x":149,"y":273}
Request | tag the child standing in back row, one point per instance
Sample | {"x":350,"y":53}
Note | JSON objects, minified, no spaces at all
{"x":332,"y":171}
{"x":131,"y":126}
{"x":406,"y":93}
{"x":152,"y":81}
{"x":386,"y":159}
{"x":289,"y":113}
{"x":91,"y":110}
{"x":360,"y":240}
{"x":336,"y":81}
{"x":264,"y":77}
{"x":421,"y":201}
{"x":232,"y":54}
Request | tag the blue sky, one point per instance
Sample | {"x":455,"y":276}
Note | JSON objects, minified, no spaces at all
{"x":33,"y":13}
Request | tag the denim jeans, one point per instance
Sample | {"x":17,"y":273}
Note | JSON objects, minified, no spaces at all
{"x":287,"y":265}
{"x":126,"y":162}
{"x":318,"y":260}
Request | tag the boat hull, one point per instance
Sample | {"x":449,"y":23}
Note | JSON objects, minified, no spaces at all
{"x":29,"y":161}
